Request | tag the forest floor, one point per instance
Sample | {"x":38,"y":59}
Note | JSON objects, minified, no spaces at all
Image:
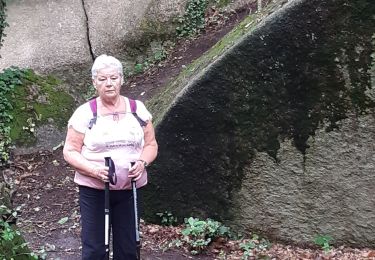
{"x":49,"y":217}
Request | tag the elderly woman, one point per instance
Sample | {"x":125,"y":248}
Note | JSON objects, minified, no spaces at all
{"x":116,"y":132}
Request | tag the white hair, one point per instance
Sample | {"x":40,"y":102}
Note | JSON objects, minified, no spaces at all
{"x":105,"y":61}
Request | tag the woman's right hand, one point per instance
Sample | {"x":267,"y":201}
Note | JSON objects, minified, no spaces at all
{"x":101,"y":173}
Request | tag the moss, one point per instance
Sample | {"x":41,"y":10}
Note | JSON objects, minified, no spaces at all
{"x":162,"y":101}
{"x":38,"y":100}
{"x":337,"y":100}
{"x":221,"y":3}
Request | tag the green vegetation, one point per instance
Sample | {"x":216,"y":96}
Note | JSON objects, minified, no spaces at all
{"x":254,"y":246}
{"x":193,"y":21}
{"x":28,"y":100}
{"x":161,"y":102}
{"x":9,"y":79}
{"x":12,"y":245}
{"x":198,"y":234}
{"x":167,"y":218}
{"x":90,"y":92}
{"x":158,"y":53}
{"x":323,"y":242}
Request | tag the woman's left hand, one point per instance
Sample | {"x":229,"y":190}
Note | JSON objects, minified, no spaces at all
{"x":136,"y":171}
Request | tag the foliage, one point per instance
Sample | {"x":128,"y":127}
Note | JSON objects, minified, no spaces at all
{"x":3,"y":22}
{"x":9,"y":79}
{"x":254,"y":246}
{"x":90,"y":93}
{"x":193,"y":21}
{"x":158,"y":54}
{"x":167,"y":218}
{"x":12,"y":245}
{"x":324,"y":242}
{"x":198,"y":234}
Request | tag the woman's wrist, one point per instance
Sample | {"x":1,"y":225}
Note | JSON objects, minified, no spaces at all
{"x":95,"y":172}
{"x":145,"y":163}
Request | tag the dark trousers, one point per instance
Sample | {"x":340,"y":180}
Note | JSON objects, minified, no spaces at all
{"x":121,"y":220}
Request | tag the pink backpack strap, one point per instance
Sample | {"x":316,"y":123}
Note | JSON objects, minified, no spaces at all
{"x":94,"y":110}
{"x":133,"y":105}
{"x":133,"y":109}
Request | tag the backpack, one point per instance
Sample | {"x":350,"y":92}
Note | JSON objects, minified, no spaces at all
{"x":133,"y":109}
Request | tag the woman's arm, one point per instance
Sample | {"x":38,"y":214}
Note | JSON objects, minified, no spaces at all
{"x":72,"y":154}
{"x":148,"y":155}
{"x":150,"y":148}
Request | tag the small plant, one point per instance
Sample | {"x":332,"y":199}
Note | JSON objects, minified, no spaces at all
{"x":12,"y":245}
{"x":176,"y":243}
{"x":167,"y":218}
{"x":198,"y":234}
{"x":159,"y":55}
{"x":254,"y":244}
{"x":193,"y":21}
{"x":90,"y":93}
{"x":323,"y":242}
{"x":138,"y":68}
{"x":30,"y":125}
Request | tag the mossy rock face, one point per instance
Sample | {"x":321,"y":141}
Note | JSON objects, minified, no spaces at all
{"x":37,"y":102}
{"x":304,"y":68}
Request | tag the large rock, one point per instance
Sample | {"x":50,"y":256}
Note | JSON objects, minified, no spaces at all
{"x":272,"y":129}
{"x":65,"y":36}
{"x":45,"y":35}
{"x":327,"y":192}
{"x":116,"y":27}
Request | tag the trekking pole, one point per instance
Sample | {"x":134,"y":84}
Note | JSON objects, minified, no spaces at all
{"x":135,"y":203}
{"x":112,"y":178}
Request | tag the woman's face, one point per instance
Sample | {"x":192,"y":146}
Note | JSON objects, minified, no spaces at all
{"x":108,"y":83}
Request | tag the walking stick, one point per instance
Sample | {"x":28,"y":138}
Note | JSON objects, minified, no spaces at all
{"x":112,"y":179}
{"x":135,"y":203}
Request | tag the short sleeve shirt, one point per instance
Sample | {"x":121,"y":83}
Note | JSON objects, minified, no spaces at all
{"x":120,"y":138}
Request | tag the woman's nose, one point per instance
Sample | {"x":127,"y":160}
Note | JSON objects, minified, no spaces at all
{"x":108,"y":82}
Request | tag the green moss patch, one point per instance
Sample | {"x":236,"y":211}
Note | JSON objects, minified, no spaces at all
{"x":38,"y":100}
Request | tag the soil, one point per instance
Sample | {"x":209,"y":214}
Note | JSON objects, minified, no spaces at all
{"x":44,"y":188}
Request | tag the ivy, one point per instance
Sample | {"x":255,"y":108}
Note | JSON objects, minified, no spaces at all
{"x":9,"y":79}
{"x":3,"y":23}
{"x":193,"y":21}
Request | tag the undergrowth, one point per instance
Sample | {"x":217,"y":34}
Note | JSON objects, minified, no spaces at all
{"x":193,"y":21}
{"x":9,"y":79}
{"x":12,"y":245}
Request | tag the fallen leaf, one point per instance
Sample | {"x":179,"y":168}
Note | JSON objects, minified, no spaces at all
{"x":63,"y":220}
{"x":55,"y":162}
